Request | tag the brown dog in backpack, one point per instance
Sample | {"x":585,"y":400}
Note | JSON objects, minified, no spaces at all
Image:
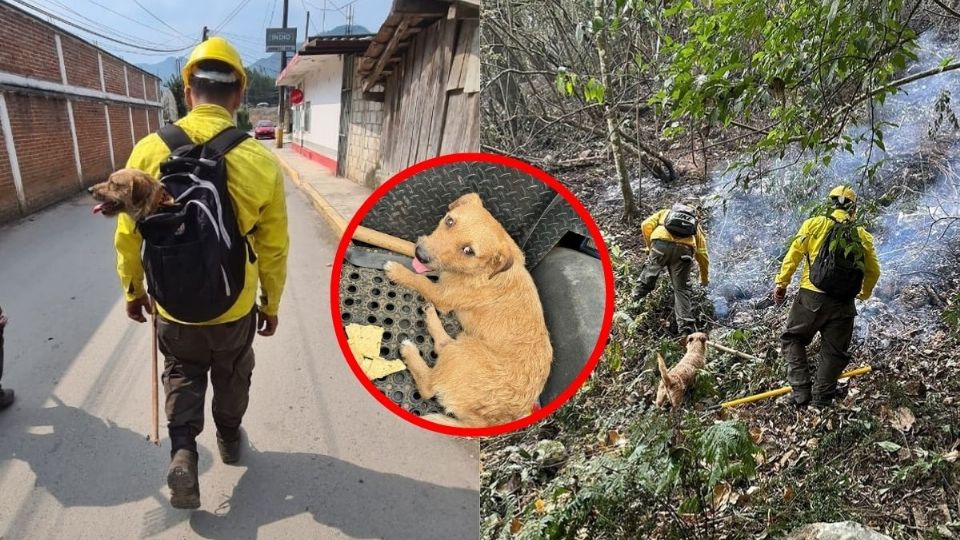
{"x":675,"y":381}
{"x":493,"y":371}
{"x":132,"y":191}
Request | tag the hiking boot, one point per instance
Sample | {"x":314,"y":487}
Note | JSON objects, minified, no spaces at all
{"x":6,"y":398}
{"x":798,"y":403}
{"x":229,"y":449}
{"x":183,"y":481}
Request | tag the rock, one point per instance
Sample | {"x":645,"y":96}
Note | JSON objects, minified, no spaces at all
{"x":549,"y":453}
{"x":841,"y":530}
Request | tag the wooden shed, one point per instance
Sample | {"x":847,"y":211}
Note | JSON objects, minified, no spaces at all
{"x":424,"y":65}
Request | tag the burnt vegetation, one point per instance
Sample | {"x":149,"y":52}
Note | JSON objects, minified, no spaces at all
{"x":757,"y":108}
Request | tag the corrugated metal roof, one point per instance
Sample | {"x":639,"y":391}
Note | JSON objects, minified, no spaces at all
{"x":352,"y":43}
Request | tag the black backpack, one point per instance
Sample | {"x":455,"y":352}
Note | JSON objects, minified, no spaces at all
{"x":838,"y":268}
{"x":194,"y":254}
{"x":681,"y":221}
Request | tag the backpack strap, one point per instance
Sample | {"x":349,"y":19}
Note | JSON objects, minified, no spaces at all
{"x":226,"y":140}
{"x":174,"y":136}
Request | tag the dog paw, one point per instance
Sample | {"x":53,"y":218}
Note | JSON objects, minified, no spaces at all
{"x":407,"y":348}
{"x":395,"y":271}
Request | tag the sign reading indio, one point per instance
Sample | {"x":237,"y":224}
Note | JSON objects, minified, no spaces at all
{"x":281,"y":39}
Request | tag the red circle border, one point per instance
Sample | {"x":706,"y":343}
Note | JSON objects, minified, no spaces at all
{"x":530,"y":170}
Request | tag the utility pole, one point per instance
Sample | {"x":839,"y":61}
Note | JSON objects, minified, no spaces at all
{"x":205,"y":32}
{"x":306,"y":30}
{"x":281,"y":125}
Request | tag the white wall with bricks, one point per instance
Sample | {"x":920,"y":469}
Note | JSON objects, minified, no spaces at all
{"x":70,"y":113}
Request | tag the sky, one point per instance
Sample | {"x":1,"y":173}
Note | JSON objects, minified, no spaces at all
{"x":183,"y":21}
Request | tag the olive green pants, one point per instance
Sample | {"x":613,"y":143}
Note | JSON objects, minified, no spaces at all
{"x":814,"y":312}
{"x":677,"y":260}
{"x":225,"y":351}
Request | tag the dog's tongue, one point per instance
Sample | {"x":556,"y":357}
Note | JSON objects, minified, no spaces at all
{"x":419,"y":267}
{"x":98,"y":208}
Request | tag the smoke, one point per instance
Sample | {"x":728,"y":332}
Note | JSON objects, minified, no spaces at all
{"x":916,"y":193}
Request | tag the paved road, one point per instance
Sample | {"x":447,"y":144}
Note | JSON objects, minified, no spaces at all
{"x":325,"y":460}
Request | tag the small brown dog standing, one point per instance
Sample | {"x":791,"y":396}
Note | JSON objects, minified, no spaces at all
{"x":492,"y":372}
{"x":675,"y":381}
{"x":132,"y":191}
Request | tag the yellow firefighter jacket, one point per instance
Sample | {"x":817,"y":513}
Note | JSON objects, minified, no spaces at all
{"x":807,"y":243}
{"x":255,"y":184}
{"x":653,"y":229}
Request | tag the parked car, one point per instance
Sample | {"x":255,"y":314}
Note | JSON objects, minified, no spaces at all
{"x":263,"y":104}
{"x":264,"y":129}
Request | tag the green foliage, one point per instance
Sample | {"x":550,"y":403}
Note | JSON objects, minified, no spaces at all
{"x":175,"y":84}
{"x":727,"y":452}
{"x":243,"y":119}
{"x":260,"y":88}
{"x":802,"y":61}
{"x":951,"y":315}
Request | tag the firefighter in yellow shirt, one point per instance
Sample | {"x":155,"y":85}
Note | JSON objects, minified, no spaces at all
{"x":675,"y":240}
{"x":825,"y":302}
{"x":214,"y":80}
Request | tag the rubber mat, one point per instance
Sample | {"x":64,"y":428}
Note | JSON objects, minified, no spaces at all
{"x":368,"y":297}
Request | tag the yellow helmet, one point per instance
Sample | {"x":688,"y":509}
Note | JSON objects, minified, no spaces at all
{"x":215,"y":48}
{"x":843,"y":195}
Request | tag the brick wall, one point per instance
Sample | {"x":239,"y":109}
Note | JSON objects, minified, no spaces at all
{"x":9,"y":207}
{"x":39,"y":120}
{"x":363,"y":136}
{"x":139,"y":123}
{"x":92,"y":140}
{"x":30,"y":50}
{"x":41,"y":134}
{"x":81,"y":63}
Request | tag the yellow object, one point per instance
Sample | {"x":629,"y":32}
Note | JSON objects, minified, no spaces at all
{"x":653,"y":229}
{"x":215,"y":48}
{"x":255,"y":184}
{"x":843,"y":192}
{"x":787,"y":389}
{"x":807,"y":243}
{"x":364,"y":341}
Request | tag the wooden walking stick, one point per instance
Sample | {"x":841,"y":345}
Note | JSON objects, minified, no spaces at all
{"x":154,"y":394}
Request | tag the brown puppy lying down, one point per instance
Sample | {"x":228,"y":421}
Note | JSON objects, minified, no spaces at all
{"x":493,"y":371}
{"x":674,"y":383}
{"x":132,"y":191}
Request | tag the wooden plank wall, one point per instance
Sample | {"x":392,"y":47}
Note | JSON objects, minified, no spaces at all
{"x":432,"y":100}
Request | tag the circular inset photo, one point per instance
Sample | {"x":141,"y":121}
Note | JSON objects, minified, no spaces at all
{"x":474,"y":294}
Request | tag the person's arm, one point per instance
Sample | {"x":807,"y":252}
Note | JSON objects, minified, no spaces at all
{"x":871,"y":265}
{"x":793,"y":257}
{"x":649,"y":225}
{"x":702,"y":257}
{"x":146,"y":156}
{"x":272,"y":244}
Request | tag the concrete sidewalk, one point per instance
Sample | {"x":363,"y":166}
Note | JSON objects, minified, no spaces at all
{"x":336,"y":199}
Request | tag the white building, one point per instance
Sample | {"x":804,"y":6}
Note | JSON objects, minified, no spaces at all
{"x":318,"y":71}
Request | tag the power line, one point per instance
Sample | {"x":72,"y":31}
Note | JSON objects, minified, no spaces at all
{"x":103,"y":27}
{"x":131,"y":19}
{"x":92,"y":32}
{"x":158,"y":19}
{"x":233,"y":14}
{"x":273,"y":10}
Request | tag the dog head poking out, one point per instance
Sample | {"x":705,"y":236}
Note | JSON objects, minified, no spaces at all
{"x":675,"y":381}
{"x":129,"y":190}
{"x":468,"y":240}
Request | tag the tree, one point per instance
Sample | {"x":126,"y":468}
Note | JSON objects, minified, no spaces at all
{"x":175,"y":85}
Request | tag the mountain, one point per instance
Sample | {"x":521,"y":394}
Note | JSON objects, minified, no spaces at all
{"x":346,"y":29}
{"x":268,"y":66}
{"x":163,"y":68}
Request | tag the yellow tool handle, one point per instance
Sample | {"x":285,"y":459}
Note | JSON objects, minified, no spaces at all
{"x":787,"y":389}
